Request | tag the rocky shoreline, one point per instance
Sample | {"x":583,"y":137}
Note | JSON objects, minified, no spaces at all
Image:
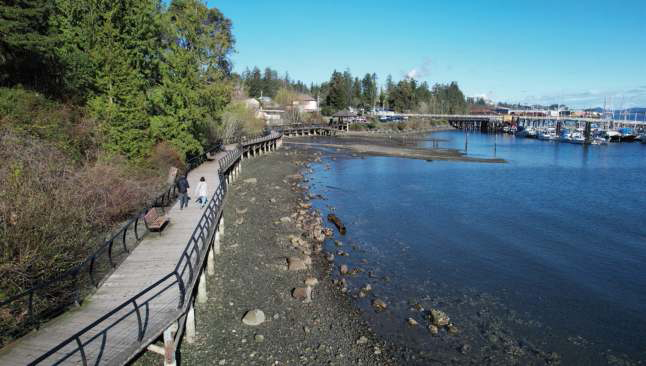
{"x":272,"y":300}
{"x":284,"y":292}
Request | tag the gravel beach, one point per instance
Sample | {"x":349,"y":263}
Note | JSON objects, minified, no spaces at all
{"x":264,"y":209}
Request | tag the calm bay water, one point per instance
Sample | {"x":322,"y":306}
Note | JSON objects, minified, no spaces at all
{"x":554,"y":241}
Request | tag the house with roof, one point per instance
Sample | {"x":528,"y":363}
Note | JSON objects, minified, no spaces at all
{"x":306,"y":103}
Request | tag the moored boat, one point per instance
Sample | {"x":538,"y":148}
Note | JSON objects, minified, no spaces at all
{"x":577,"y":138}
{"x":529,"y":132}
{"x":548,"y":134}
{"x":627,"y":134}
{"x":611,"y":135}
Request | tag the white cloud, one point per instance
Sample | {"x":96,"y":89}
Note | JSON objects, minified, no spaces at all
{"x":420,"y":72}
{"x":635,"y":97}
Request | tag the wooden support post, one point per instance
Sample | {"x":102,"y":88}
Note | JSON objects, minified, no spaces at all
{"x":202,"y":296}
{"x":210,"y":262}
{"x":190,"y":325}
{"x":169,"y":348}
{"x":216,"y":243}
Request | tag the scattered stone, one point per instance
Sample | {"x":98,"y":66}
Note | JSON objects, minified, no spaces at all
{"x":285,"y":219}
{"x":433,"y":329}
{"x":343,"y":269}
{"x":330,"y":257}
{"x":222,"y":362}
{"x":319,"y":235}
{"x":306,"y":205}
{"x":362,"y":340}
{"x":251,"y":180}
{"x":367,"y":288}
{"x":465,"y":349}
{"x":239,"y":220}
{"x":242,"y":211}
{"x":412,"y":322}
{"x":439,"y":318}
{"x":311,"y":281}
{"x":379,"y":304}
{"x":254,"y":317}
{"x":296,"y":264}
{"x":259,"y":338}
{"x":302,"y":294}
{"x":452,"y":329}
{"x":272,"y":200}
{"x":377,"y":350}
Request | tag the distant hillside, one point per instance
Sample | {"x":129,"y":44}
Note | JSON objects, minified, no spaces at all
{"x":629,"y":110}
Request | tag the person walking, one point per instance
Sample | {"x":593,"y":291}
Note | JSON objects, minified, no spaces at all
{"x":182,"y":190}
{"x":201,"y":192}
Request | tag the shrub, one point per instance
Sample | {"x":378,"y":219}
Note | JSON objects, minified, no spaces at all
{"x":53,"y":213}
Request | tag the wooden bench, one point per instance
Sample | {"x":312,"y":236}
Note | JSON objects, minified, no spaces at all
{"x":155,"y":221}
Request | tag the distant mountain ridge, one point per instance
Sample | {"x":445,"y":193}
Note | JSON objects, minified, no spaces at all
{"x":629,"y":110}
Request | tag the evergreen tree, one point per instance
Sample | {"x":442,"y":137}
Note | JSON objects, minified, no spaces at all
{"x":337,"y":96}
{"x":27,"y":44}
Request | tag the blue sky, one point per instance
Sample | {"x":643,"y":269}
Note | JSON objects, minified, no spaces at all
{"x":572,"y":52}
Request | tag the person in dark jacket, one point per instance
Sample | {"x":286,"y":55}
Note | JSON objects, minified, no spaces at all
{"x":182,"y":189}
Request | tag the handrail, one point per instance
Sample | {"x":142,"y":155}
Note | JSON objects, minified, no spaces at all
{"x":229,"y":159}
{"x":92,"y":263}
{"x":184,"y":276}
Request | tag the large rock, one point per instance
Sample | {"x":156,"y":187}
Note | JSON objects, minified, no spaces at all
{"x":439,"y":318}
{"x":343,"y":269}
{"x":254,"y":317}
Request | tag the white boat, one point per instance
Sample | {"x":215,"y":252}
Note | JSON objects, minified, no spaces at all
{"x":548,"y":134}
{"x":611,"y":135}
{"x":599,"y":141}
{"x":576,"y":138}
{"x":527,"y":132}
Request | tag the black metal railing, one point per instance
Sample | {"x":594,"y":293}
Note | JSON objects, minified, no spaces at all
{"x":88,"y":346}
{"x":50,"y":298}
{"x":141,"y":308}
{"x":229,"y":159}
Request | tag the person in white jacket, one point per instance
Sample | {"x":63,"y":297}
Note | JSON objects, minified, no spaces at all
{"x":201,"y":192}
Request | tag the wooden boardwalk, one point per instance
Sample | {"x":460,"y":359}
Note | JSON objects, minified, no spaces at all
{"x":155,"y":257}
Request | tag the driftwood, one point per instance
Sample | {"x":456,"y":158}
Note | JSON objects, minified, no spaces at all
{"x":337,"y":221}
